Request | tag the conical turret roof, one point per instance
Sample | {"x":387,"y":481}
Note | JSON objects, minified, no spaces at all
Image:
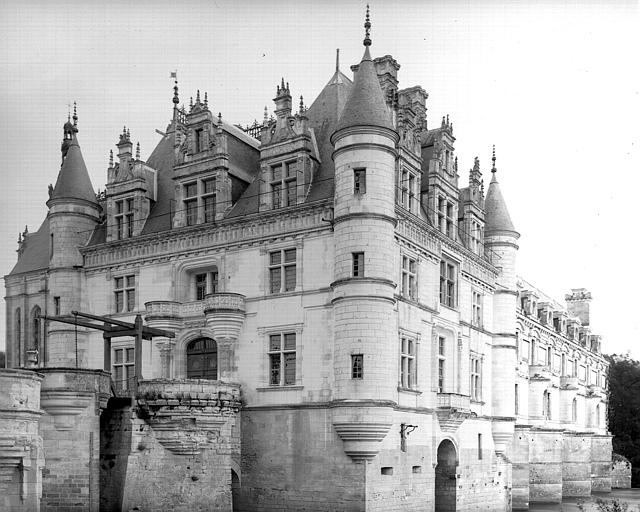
{"x":365,"y":105}
{"x":496,"y":216}
{"x":73,"y":179}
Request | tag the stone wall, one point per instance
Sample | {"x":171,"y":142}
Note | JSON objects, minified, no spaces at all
{"x":620,"y":472}
{"x":174,"y":449}
{"x":72,"y":399}
{"x":21,"y":454}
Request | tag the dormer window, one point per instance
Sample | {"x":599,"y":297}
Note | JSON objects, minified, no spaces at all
{"x":124,"y":218}
{"x":200,"y":146}
{"x":284,"y":184}
{"x":199,"y":196}
{"x":408,"y":182}
{"x":445,"y":216}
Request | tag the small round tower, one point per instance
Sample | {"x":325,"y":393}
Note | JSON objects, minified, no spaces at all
{"x":73,"y":214}
{"x":501,"y":249}
{"x":364,"y":220}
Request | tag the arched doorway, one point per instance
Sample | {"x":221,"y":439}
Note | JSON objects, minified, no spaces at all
{"x":202,"y":359}
{"x":235,"y":491}
{"x":445,"y":492}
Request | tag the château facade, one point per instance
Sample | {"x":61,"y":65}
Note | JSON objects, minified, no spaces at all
{"x":348,"y":328}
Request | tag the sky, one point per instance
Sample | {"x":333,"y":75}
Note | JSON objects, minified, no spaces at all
{"x":553,"y":84}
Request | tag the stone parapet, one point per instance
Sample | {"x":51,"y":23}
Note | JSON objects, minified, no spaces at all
{"x":21,"y":453}
{"x":186,"y":415}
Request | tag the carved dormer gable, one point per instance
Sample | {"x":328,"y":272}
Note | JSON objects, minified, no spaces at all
{"x":440,"y":194}
{"x":289,"y":155}
{"x":471,"y":219}
{"x":411,"y":118}
{"x":529,"y":302}
{"x":130,"y":192}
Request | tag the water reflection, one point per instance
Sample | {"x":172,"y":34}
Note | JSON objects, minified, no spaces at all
{"x":629,"y":496}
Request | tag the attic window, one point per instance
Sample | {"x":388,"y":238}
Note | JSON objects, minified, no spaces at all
{"x":124,"y":218}
{"x":199,"y":140}
{"x":284,"y":184}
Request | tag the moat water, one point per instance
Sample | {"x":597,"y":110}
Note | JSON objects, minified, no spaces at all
{"x":629,"y":496}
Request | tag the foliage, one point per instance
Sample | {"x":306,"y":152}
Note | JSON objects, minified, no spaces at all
{"x":624,"y":410}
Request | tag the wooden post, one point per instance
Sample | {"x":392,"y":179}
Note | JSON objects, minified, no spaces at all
{"x":138,"y":351}
{"x":107,"y":349}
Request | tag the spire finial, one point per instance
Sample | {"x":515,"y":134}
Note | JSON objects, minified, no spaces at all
{"x":137,"y":150}
{"x":206,"y":100}
{"x":174,"y":75}
{"x":220,"y":119}
{"x":493,"y":160}
{"x":367,"y":28}
{"x":75,"y":114}
{"x":301,"y":104}
{"x":337,"y":59}
{"x":266,"y":116}
{"x":111,"y":158}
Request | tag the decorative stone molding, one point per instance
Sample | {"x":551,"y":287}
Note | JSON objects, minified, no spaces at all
{"x":502,"y":433}
{"x":362,"y":440}
{"x":224,"y":313}
{"x":186,"y":415}
{"x":452,"y":410}
{"x":65,"y":406}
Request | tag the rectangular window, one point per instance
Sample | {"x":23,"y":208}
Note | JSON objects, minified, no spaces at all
{"x":445,"y":216}
{"x":125,"y":293}
{"x":479,"y":446}
{"x":191,"y":203}
{"x":526,"y":349}
{"x":201,"y":286}
{"x":517,"y":401}
{"x":123,"y":368}
{"x":56,"y":306}
{"x":199,"y":140}
{"x":357,"y":366}
{"x":476,"y":309}
{"x":282,"y":271}
{"x":441,"y":364}
{"x":476,"y":379}
{"x":448,"y":282}
{"x":359,"y":181}
{"x":358,"y":264}
{"x":282,"y":359}
{"x":407,"y":363}
{"x":124,"y":218}
{"x":284,"y":185}
{"x":209,"y":199}
{"x":408,"y":285}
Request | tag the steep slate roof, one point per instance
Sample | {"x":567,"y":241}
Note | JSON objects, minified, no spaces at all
{"x":36,"y":251}
{"x":73,"y":179}
{"x":496,"y":215}
{"x":324,"y":114}
{"x":366,"y":105}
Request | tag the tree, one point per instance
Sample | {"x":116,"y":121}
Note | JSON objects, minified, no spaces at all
{"x":624,"y":410}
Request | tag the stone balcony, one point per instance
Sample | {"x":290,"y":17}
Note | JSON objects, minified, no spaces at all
{"x":567,"y":382}
{"x":453,"y":409}
{"x":454,"y":401}
{"x":540,"y":372}
{"x":187,"y":415}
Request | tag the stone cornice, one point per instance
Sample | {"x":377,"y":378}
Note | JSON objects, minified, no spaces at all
{"x":432,"y":241}
{"x":559,"y":338}
{"x":247,"y":230}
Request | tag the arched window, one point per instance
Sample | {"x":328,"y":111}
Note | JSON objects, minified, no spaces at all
{"x":202,"y":359}
{"x":574,"y":410}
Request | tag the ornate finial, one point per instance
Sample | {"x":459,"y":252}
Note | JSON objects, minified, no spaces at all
{"x":111,"y":158}
{"x":128,"y":135}
{"x":50,"y":190}
{"x":266,"y":116}
{"x":26,"y":231}
{"x":137,"y":151}
{"x":197,"y":96}
{"x":75,"y":114}
{"x":337,"y":59}
{"x":176,"y":100}
{"x":206,"y":100}
{"x":287,"y":87}
{"x":301,"y":104}
{"x":220,"y":119}
{"x":282,"y":84}
{"x":493,"y":160}
{"x":191,"y":103}
{"x":367,"y":28}
{"x":443,"y":124}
